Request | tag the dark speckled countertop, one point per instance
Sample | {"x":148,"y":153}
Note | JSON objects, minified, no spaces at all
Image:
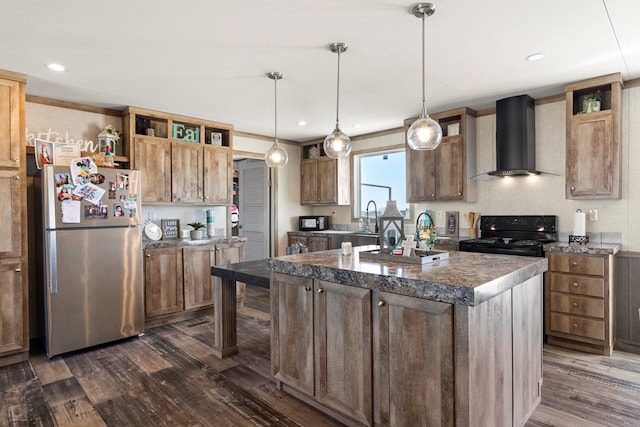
{"x":588,"y":249}
{"x":466,"y":278}
{"x":171,"y":243}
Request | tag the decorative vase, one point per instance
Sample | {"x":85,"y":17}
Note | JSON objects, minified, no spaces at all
{"x":196,"y":234}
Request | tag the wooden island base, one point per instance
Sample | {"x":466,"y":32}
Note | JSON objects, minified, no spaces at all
{"x":370,"y":357}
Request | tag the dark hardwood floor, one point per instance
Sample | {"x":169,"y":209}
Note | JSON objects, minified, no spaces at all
{"x":168,"y":377}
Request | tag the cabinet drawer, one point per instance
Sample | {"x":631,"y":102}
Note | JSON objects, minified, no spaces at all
{"x":590,"y":286}
{"x":577,"y":326}
{"x":580,"y":264}
{"x":591,"y":307}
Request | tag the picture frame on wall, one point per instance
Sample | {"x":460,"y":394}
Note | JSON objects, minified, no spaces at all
{"x":451,"y":226}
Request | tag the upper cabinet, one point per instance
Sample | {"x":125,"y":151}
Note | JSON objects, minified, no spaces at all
{"x":184,"y":160}
{"x":445,"y":173}
{"x":11,"y":120}
{"x":324,"y":180}
{"x":594,"y":129}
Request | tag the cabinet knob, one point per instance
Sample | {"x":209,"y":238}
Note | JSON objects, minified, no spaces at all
{"x":574,"y":263}
{"x":573,"y":189}
{"x":18,"y":270}
{"x":433,"y":195}
{"x":460,"y":194}
{"x":575,"y":304}
{"x":380,"y":303}
{"x":148,"y":256}
{"x":16,"y":177}
{"x":575,"y":326}
{"x":16,"y":160}
{"x":320,"y":291}
{"x":307,"y":288}
{"x":575,"y":284}
{"x":205,"y":198}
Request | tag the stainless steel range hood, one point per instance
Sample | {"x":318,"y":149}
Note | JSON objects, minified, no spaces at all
{"x":515,"y":137}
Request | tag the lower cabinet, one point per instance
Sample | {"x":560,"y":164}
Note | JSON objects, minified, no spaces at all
{"x":313,"y":243}
{"x":14,"y":334}
{"x":368,"y":357}
{"x":579,"y":301}
{"x":178,"y":281}
{"x":322,"y":343}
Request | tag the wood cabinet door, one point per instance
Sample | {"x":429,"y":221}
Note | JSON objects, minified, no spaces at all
{"x":196,"y":264}
{"x":343,"y":359}
{"x":217,"y":175}
{"x":327,"y":180}
{"x":292,"y":331}
{"x":153,"y":158}
{"x":186,"y":173}
{"x":316,"y":244}
{"x":413,"y":361}
{"x":421,"y":175}
{"x":449,"y":169}
{"x":163,"y":284}
{"x":300,"y":239}
{"x":12,"y":322}
{"x":591,"y":156}
{"x":11,"y":214}
{"x":309,"y":182}
{"x":11,"y":109}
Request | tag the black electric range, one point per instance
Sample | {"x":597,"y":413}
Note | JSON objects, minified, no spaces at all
{"x":513,"y":235}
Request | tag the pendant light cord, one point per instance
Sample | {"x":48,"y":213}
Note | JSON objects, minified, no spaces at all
{"x":275,"y":109}
{"x":338,"y":92}
{"x":424,"y":98}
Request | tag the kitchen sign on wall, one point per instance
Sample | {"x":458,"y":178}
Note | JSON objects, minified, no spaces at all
{"x":185,"y":132}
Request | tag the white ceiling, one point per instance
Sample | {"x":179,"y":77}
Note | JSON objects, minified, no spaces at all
{"x":209,"y":58}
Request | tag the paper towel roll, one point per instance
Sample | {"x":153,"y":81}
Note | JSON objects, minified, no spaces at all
{"x":211,"y":231}
{"x":580,"y":223}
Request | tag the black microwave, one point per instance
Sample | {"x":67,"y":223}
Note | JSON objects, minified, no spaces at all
{"x":313,"y":223}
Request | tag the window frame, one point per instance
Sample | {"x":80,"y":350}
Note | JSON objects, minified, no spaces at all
{"x":355,"y":175}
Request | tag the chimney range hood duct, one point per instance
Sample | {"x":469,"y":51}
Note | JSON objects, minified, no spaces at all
{"x":515,"y":137}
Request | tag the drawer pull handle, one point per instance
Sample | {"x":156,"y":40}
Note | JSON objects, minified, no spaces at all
{"x":575,"y":304}
{"x":575,"y":326}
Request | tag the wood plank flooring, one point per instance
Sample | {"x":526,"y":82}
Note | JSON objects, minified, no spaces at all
{"x":168,"y":377}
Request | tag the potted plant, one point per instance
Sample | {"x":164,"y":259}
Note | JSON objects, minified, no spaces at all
{"x":196,"y":233}
{"x":592,"y":102}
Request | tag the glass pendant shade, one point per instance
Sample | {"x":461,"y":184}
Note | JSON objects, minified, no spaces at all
{"x":276,"y":156}
{"x":337,"y":144}
{"x":424,"y":134}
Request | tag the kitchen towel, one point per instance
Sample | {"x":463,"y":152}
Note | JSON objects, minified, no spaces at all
{"x":579,"y":223}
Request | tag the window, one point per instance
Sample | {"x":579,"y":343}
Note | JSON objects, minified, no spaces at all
{"x":379,"y":176}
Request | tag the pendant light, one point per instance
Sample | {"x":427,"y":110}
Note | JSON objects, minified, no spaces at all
{"x":337,"y":144}
{"x":276,"y":156}
{"x":425,"y":133}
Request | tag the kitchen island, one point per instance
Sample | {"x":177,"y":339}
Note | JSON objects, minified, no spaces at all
{"x":457,"y":342}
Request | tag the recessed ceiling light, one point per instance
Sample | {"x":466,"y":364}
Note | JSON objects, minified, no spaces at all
{"x":55,"y":67}
{"x":535,"y":57}
{"x":302,"y":123}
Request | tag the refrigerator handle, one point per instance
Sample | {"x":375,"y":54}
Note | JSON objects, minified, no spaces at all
{"x":52,"y":260}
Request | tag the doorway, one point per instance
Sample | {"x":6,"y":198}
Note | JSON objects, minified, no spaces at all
{"x":254,"y":207}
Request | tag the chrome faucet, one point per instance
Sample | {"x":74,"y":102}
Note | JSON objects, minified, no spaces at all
{"x":376,"y":218}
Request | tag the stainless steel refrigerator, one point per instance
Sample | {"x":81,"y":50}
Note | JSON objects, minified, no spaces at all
{"x":92,"y":256}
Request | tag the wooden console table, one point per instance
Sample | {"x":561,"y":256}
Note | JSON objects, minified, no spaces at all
{"x":224,"y":301}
